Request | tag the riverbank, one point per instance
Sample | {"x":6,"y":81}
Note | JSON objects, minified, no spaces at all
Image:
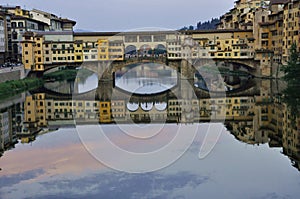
{"x":10,"y":88}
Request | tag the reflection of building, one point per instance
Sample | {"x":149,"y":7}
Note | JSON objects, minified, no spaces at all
{"x":256,"y":119}
{"x":10,"y":125}
{"x":38,"y":110}
{"x":34,"y":113}
{"x":5,"y":130}
{"x":147,"y":112}
{"x":291,"y":138}
{"x":105,"y":112}
{"x":118,"y":110}
{"x":233,"y":108}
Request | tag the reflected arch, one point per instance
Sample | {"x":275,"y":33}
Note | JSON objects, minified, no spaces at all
{"x":161,"y":106}
{"x":147,"y":106}
{"x":132,"y":106}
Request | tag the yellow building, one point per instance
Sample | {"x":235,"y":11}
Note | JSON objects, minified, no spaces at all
{"x":39,"y":53}
{"x":110,"y":50}
{"x":226,"y":44}
{"x":242,"y":15}
{"x":78,"y":51}
{"x":63,"y":52}
{"x":103,"y":54}
{"x":28,"y":51}
{"x":290,"y":27}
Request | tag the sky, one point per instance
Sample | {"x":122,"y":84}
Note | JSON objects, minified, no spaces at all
{"x":122,"y":15}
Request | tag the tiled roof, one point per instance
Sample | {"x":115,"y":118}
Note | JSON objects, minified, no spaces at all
{"x":274,"y":2}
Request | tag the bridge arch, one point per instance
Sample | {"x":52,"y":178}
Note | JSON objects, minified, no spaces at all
{"x":145,"y":50}
{"x":131,"y":50}
{"x":160,"y":49}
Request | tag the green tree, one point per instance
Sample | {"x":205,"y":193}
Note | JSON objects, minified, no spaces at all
{"x":292,"y":69}
{"x":292,"y":77}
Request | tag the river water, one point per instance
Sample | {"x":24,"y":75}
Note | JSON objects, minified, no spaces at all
{"x":252,"y":153}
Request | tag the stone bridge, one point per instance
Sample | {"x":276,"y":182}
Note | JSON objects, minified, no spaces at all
{"x":106,"y":69}
{"x":250,"y":65}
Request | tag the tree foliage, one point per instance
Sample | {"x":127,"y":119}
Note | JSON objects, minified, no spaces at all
{"x":292,"y":77}
{"x":292,"y":69}
{"x":207,"y":25}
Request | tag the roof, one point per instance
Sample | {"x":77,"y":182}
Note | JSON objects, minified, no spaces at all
{"x":65,"y":20}
{"x":95,"y":33}
{"x":54,"y":33}
{"x":276,"y":2}
{"x":17,"y":17}
{"x":122,"y":33}
{"x":215,"y":31}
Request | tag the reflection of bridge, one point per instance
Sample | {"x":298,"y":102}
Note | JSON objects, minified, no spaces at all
{"x":107,"y":92}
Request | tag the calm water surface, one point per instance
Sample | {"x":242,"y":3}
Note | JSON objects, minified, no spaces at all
{"x":257,"y":155}
{"x":57,"y":165}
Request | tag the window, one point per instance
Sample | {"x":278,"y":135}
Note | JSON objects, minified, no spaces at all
{"x":15,"y":35}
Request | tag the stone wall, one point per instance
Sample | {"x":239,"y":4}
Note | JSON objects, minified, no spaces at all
{"x":8,"y":74}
